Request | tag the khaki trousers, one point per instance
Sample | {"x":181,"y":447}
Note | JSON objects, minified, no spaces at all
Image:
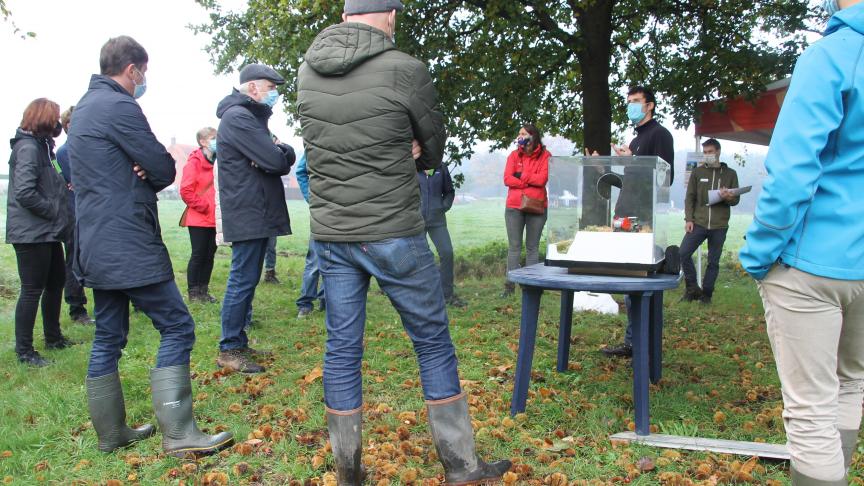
{"x":816,"y":328}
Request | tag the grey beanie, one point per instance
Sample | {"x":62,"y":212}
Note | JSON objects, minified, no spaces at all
{"x":356,"y":7}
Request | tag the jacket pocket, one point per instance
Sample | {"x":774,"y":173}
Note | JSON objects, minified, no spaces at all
{"x":150,"y":218}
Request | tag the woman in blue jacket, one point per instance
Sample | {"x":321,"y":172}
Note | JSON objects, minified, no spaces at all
{"x":806,"y":249}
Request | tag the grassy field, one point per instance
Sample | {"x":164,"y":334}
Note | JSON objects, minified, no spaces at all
{"x":719,"y":382}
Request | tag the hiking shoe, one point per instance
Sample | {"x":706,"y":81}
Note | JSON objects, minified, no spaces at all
{"x":322,"y":305}
{"x":705,"y":299}
{"x":63,"y":343}
{"x":83,"y":319}
{"x":238,"y":360}
{"x":623,"y":350}
{"x":256,"y":353}
{"x":33,"y":359}
{"x":455,"y":301}
{"x":691,"y":295}
{"x":270,"y":277}
{"x":304,"y":312}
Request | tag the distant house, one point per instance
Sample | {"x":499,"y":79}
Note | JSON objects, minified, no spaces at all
{"x":181,"y":153}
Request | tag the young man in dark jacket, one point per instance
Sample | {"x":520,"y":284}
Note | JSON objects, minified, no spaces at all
{"x":706,"y":222}
{"x":366,"y":222}
{"x":119,"y":168}
{"x":652,"y":139}
{"x":252,"y":199}
{"x":436,"y":198}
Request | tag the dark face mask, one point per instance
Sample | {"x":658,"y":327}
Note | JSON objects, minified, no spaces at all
{"x":58,"y":129}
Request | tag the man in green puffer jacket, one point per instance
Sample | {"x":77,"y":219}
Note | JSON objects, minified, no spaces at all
{"x":706,"y":222}
{"x":370,"y":120}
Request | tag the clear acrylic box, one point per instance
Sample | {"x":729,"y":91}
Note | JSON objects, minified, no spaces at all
{"x":608,"y":214}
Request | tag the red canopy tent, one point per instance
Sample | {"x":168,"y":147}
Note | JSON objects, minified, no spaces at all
{"x":743,"y":120}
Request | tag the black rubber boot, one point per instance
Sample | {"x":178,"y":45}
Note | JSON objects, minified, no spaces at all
{"x":451,"y":430}
{"x":849,"y":441}
{"x":799,"y":479}
{"x":172,"y":401}
{"x":346,"y":442}
{"x":108,"y":414}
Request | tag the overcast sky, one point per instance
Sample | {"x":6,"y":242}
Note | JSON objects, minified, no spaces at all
{"x":182,"y":91}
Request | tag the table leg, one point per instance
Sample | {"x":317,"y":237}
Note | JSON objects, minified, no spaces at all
{"x":565,"y":325}
{"x":639,"y":317}
{"x":655,"y":338}
{"x":527,"y":339}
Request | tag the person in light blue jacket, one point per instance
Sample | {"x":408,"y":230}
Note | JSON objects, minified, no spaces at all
{"x":310,"y":291}
{"x":806,"y":249}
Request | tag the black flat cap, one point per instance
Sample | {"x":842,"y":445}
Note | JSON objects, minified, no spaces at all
{"x":254,"y":72}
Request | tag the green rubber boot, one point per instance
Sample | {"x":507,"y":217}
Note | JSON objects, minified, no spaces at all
{"x":108,"y":414}
{"x":849,"y":441}
{"x":345,"y":439}
{"x":172,"y":401}
{"x":799,"y":479}
{"x":451,"y":430}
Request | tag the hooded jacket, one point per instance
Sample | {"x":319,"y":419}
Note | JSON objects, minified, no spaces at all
{"x":702,"y":180}
{"x":36,"y":209}
{"x":119,"y":240}
{"x":251,"y":197}
{"x":809,"y":214}
{"x":361,"y":102}
{"x":198,"y":192}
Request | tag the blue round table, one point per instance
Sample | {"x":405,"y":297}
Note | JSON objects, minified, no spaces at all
{"x":645,"y":315}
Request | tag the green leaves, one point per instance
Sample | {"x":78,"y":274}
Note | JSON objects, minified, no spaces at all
{"x":499,"y":64}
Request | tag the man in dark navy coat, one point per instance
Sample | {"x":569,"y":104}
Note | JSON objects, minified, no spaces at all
{"x":119,"y":168}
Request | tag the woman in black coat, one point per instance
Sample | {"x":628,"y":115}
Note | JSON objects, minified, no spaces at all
{"x":36,"y":225}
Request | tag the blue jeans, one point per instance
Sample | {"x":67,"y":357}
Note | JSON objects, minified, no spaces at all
{"x":246,"y":260}
{"x":162,"y":303}
{"x":405,"y":270}
{"x":310,"y":291}
{"x":270,"y":255}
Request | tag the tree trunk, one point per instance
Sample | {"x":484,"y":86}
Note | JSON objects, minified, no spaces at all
{"x":595,"y":24}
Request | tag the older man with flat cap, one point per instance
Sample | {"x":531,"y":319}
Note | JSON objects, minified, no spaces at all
{"x":252,"y":199}
{"x":370,"y":121}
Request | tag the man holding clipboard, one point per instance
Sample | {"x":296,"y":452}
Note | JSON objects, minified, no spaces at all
{"x":707,"y":218}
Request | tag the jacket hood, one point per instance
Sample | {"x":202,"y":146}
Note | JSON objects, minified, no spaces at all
{"x":340,"y":48}
{"x":852,"y":17}
{"x":23,"y":135}
{"x":236,"y":98}
{"x":198,"y":155}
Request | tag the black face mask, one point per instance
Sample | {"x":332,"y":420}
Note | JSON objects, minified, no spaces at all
{"x":58,"y":129}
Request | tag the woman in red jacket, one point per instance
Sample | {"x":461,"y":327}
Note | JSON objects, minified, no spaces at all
{"x":197,"y":191}
{"x":525,"y":175}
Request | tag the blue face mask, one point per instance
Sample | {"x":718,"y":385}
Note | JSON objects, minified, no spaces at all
{"x":831,"y":7}
{"x":523,"y":141}
{"x":635,"y":113}
{"x":212,"y":146}
{"x":271,"y":98}
{"x":140,"y":89}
